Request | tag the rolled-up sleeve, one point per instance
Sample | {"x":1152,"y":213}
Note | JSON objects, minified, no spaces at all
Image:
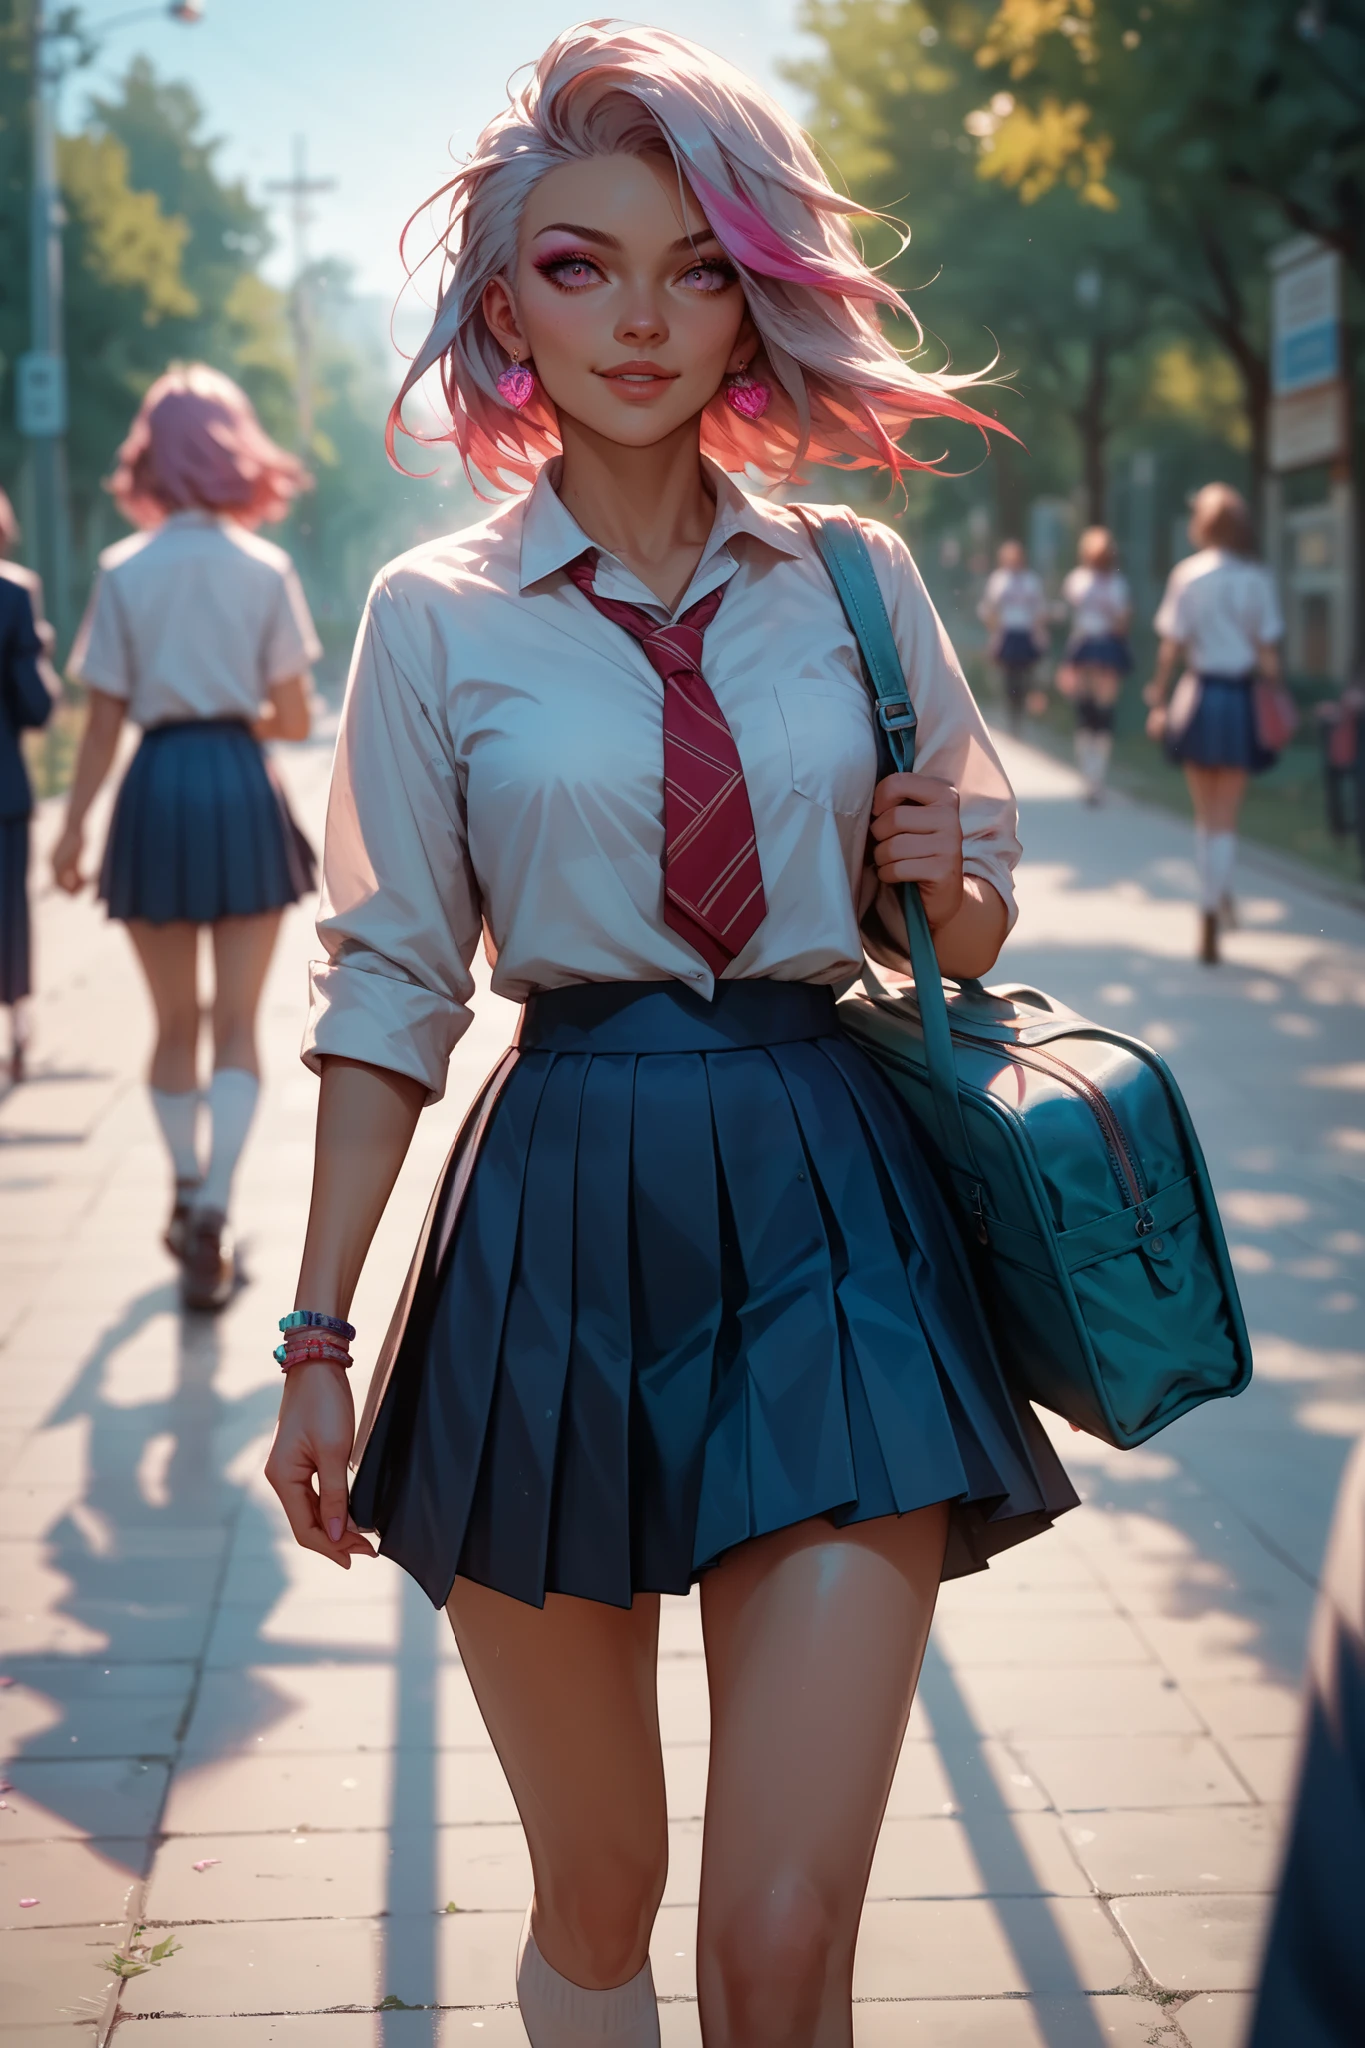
{"x":401,"y":913}
{"x":951,"y":740}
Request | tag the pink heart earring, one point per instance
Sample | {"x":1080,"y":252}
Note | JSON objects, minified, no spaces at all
{"x":746,"y":395}
{"x":516,"y":384}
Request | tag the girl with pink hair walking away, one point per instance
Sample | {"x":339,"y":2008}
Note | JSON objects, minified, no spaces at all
{"x":198,"y":631}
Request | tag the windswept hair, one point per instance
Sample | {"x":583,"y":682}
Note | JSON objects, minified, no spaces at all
{"x":196,"y":443}
{"x":842,"y":394}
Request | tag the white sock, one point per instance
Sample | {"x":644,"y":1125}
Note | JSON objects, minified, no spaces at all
{"x":1208,"y":895}
{"x":1104,"y":747}
{"x":558,"y":2014}
{"x":177,"y":1116}
{"x":1222,"y":854}
{"x":232,"y":1105}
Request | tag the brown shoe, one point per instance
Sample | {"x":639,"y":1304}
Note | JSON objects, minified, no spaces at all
{"x":1208,"y":939}
{"x":177,"y":1229}
{"x":209,"y":1269}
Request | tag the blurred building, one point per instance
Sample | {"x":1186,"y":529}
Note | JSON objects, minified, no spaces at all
{"x":1311,"y":496}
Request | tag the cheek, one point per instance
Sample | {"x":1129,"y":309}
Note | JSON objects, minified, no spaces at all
{"x":560,"y":325}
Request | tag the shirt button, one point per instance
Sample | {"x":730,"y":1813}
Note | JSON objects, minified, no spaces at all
{"x":1158,"y":1244}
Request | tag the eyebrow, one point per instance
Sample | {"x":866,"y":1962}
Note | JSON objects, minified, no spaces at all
{"x":606,"y":241}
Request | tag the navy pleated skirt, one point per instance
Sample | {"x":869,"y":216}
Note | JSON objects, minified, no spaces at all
{"x":1016,"y":649}
{"x":1221,"y":733}
{"x":690,"y":1280}
{"x":15,"y":942}
{"x":202,"y":830}
{"x":1102,"y":650}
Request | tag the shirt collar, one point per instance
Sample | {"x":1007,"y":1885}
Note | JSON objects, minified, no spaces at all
{"x":551,"y":538}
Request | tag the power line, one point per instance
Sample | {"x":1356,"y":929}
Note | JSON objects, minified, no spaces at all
{"x":300,"y":190}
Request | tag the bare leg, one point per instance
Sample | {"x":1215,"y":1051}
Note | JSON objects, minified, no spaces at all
{"x":242,"y":947}
{"x":168,"y":954}
{"x":1216,"y":794}
{"x":814,"y":1639}
{"x":569,"y":1695}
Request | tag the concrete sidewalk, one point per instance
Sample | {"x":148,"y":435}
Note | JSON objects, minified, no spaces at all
{"x":223,"y":1753}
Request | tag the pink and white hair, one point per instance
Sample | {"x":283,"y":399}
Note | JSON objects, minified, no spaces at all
{"x":196,"y":444}
{"x":843,"y":395}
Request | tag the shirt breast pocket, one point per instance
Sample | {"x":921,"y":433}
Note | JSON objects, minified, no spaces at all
{"x":833,"y":752}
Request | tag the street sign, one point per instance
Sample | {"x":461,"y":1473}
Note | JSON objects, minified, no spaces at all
{"x":1305,"y":317}
{"x":40,"y":395}
{"x":1308,"y":427}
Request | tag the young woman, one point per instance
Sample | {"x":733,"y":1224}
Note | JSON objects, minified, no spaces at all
{"x":198,"y":631}
{"x":28,"y":690}
{"x":690,"y":1305}
{"x":1097,"y":656}
{"x":1014,"y":609}
{"x":1220,"y":622}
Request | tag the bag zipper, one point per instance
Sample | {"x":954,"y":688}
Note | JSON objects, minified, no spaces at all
{"x":1122,"y":1163}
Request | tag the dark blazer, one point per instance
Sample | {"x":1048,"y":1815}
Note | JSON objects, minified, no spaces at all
{"x":25,"y":698}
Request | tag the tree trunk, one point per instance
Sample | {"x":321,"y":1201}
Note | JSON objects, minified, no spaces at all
{"x":1092,"y":424}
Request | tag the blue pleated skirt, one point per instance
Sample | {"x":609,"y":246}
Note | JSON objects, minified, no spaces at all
{"x":689,"y":1279}
{"x":1016,"y":649}
{"x":1102,"y":650}
{"x":1221,"y":733}
{"x":15,"y":941}
{"x":202,"y":830}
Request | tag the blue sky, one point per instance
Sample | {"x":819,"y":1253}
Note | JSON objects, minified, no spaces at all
{"x":383,"y":90}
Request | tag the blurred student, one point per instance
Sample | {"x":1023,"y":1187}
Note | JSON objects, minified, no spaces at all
{"x":1097,"y":656}
{"x":199,"y":632}
{"x":1220,"y":624}
{"x":1014,"y":609}
{"x":1312,"y":1990}
{"x":26,"y":700}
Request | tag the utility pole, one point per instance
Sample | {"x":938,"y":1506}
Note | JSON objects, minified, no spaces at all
{"x":299,"y":190}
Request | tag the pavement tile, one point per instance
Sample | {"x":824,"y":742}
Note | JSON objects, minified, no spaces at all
{"x":1194,"y":1849}
{"x":1132,"y":1771}
{"x":51,"y":1975}
{"x":1245,"y":1708}
{"x":1204,"y":1944}
{"x":488,"y":2027}
{"x":74,"y":1883}
{"x":247,"y":1635}
{"x":953,"y":1858}
{"x":272,"y":1709}
{"x":476,"y":1956}
{"x":255,"y":1792}
{"x":1076,"y":1700}
{"x":71,"y":1797}
{"x":470,"y":1787}
{"x":1269,"y":1764}
{"x":93,"y":1727}
{"x":1215,"y":1645}
{"x":684,"y":1707}
{"x":488,"y":1870}
{"x":1119,"y":2019}
{"x":278,"y":1876}
{"x":1220,"y":2020}
{"x":263,"y":1967}
{"x":966,"y":1947}
{"x":680,"y":1624}
{"x":1034,"y":1637}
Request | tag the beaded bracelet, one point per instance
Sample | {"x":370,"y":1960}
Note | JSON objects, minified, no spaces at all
{"x":314,"y":1319}
{"x":304,"y":1349}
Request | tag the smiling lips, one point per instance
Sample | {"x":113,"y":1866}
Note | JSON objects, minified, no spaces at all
{"x":634,"y":381}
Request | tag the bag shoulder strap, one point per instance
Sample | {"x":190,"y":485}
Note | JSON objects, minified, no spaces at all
{"x":838,"y":536}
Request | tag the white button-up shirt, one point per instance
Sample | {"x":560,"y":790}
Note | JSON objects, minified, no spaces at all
{"x":1223,"y":609}
{"x":500,"y":760}
{"x":195,"y":619}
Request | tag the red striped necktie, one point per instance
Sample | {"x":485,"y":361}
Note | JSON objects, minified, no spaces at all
{"x":713,"y":888}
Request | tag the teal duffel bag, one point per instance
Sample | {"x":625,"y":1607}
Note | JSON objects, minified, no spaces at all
{"x":1080,"y":1183}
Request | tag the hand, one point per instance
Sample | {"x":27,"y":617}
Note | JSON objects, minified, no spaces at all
{"x":1156,"y":722}
{"x":918,"y":838}
{"x":313,"y":1437}
{"x":66,"y":860}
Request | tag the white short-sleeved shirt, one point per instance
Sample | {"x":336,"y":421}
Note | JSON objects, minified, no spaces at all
{"x":195,"y":619}
{"x":1222,"y":608}
{"x":1100,"y":602}
{"x":1014,"y":601}
{"x":501,"y":758}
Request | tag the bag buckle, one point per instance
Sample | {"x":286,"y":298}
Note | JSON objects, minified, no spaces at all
{"x":892,"y":720}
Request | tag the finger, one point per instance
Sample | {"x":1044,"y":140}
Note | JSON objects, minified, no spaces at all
{"x":911,"y":787}
{"x":912,"y":846}
{"x":333,"y":1497}
{"x":908,"y":818}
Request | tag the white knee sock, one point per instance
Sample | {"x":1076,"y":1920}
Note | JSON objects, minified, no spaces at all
{"x":232,"y":1104}
{"x":1222,"y":854}
{"x":558,"y":2014}
{"x":1104,"y":747}
{"x":1208,"y":895}
{"x":177,"y":1116}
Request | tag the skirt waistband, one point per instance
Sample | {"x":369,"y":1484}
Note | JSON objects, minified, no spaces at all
{"x":1232,"y":682}
{"x":169,"y":727}
{"x":667,"y":1016}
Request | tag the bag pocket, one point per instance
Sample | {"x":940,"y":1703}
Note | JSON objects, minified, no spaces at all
{"x":833,"y":752}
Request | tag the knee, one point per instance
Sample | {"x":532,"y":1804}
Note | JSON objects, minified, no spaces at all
{"x":771,"y":1958}
{"x":593,"y":1920}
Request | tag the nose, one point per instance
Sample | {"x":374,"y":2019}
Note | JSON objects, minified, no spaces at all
{"x":642,"y":322}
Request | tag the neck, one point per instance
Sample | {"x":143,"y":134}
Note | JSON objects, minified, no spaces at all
{"x":651,"y":507}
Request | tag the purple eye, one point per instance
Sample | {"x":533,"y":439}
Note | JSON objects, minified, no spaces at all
{"x":569,"y":269}
{"x":711,"y":275}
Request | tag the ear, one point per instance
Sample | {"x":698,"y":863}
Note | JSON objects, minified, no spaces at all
{"x":746,"y":348}
{"x":500,"y":311}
